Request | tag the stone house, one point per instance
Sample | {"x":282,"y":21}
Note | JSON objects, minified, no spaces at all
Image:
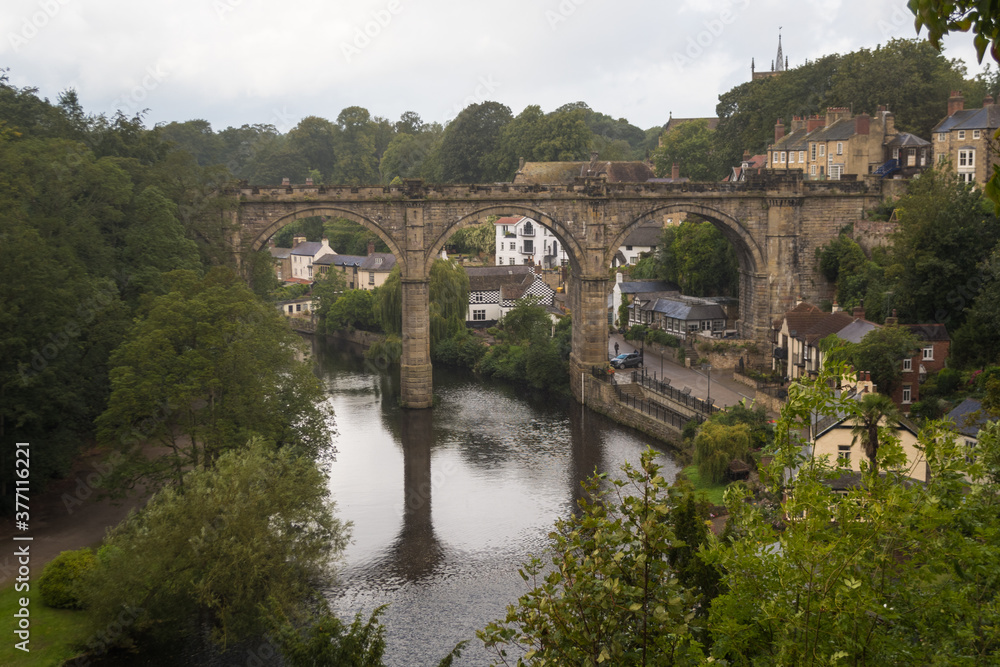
{"x":630,"y":289}
{"x":678,"y":314}
{"x":494,"y":290}
{"x":282,"y":258}
{"x":360,"y":272}
{"x":962,"y":139}
{"x":840,"y":144}
{"x":345,"y":264}
{"x":304,"y":254}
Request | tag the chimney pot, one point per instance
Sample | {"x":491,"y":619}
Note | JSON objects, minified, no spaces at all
{"x":371,"y":248}
{"x":955,"y":102}
{"x":779,"y":130}
{"x":309,"y":181}
{"x":675,"y":171}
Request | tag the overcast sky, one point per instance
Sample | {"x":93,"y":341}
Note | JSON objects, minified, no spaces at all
{"x":249,"y":61}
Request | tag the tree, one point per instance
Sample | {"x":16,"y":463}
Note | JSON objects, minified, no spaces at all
{"x":872,"y":411}
{"x":977,"y":342}
{"x":354,"y":309}
{"x":206,"y":367}
{"x":466,"y":152}
{"x":448,"y":295}
{"x":356,"y":160}
{"x":881,"y":352}
{"x":691,"y":146}
{"x":315,"y":139}
{"x":242,"y":542}
{"x":610,"y":595}
{"x":718,"y":445}
{"x":560,"y":136}
{"x":526,"y":320}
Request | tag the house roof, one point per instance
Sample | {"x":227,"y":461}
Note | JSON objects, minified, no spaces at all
{"x":800,"y":318}
{"x":510,"y":220}
{"x":856,"y":330}
{"x":793,"y":141}
{"x":309,"y":248}
{"x":488,"y":278}
{"x":968,"y":417}
{"x":831,"y":323}
{"x":646,"y":286}
{"x":280,"y":253}
{"x":832,"y":421}
{"x":378,"y":261}
{"x":331,"y":259}
{"x":838,"y":130}
{"x":907,"y":140}
{"x":688,"y":308}
{"x":987,"y":118}
{"x":929,"y":332}
{"x":646,"y":234}
{"x":515,"y":291}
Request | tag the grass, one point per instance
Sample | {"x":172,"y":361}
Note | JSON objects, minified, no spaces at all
{"x":53,"y":631}
{"x":712,"y":491}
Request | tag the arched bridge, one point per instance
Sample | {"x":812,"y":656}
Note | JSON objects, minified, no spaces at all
{"x":774,"y":221}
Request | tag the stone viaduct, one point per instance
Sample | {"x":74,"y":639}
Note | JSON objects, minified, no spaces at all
{"x":774,"y":221}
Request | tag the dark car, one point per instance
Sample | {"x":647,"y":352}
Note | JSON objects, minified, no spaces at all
{"x":627,"y":360}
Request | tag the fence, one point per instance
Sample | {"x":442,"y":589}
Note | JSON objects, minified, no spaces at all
{"x":655,"y":410}
{"x":602,"y":374}
{"x":681,"y":396}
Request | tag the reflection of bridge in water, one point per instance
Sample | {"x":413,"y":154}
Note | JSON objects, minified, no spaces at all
{"x":775,"y":222}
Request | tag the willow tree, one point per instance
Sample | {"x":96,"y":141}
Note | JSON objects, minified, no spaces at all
{"x":449,"y":301}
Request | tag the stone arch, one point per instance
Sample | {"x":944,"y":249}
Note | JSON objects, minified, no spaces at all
{"x":261,"y":237}
{"x":570,"y":243}
{"x":748,"y":252}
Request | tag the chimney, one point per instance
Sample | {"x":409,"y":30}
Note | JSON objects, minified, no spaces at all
{"x":371,"y":248}
{"x":270,"y":242}
{"x":675,"y":171}
{"x":892,"y":319}
{"x":889,"y":120}
{"x":835,"y":308}
{"x":956,"y":102}
{"x":779,"y":130}
{"x":520,"y":164}
{"x":833,"y":114}
{"x":593,"y":156}
{"x":746,"y":156}
{"x":325,"y":241}
{"x":297,"y":240}
{"x":862,"y":123}
{"x":814,"y":123}
{"x":619,"y":277}
{"x":859,"y":311}
{"x":798,"y":123}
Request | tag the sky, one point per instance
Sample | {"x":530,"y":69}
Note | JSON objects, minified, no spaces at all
{"x":234,"y":62}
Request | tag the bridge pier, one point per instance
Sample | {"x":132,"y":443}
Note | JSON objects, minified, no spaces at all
{"x":415,"y":371}
{"x":589,"y":308}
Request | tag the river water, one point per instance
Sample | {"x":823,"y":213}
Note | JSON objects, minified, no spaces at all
{"x":448,"y":503}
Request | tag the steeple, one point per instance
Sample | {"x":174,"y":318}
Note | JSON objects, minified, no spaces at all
{"x":779,"y":62}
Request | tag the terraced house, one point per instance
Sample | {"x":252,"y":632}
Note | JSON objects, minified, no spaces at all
{"x":962,"y":138}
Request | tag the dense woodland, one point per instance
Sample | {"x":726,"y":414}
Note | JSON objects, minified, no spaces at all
{"x":124,"y":322}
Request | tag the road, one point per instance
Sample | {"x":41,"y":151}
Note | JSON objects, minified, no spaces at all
{"x":724,"y":390}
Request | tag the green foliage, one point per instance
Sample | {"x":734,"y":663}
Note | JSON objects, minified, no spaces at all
{"x":881,"y":352}
{"x":206,"y":367}
{"x":463,"y":350}
{"x":610,"y":595}
{"x":623,"y":312}
{"x":326,"y":640}
{"x":449,"y":299}
{"x":560,"y":136}
{"x":467,"y":149}
{"x":527,"y":320}
{"x":717,"y":445}
{"x":478,"y":240}
{"x":355,"y":309}
{"x":59,"y":585}
{"x":755,"y":418}
{"x":240,"y":544}
{"x":858,"y":279}
{"x":389,"y":304}
{"x":690,"y":145}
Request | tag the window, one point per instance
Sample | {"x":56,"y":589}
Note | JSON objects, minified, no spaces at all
{"x":906,"y":394}
{"x":961,"y":134}
{"x":812,"y":170}
{"x":504,"y":228}
{"x":476,"y":297}
{"x":911,"y":157}
{"x":941,"y":158}
{"x":290,"y":308}
{"x":511,"y":261}
{"x":840,"y":148}
{"x":782,"y":156}
{"x":975,"y":134}
{"x":970,"y":451}
{"x":907,"y":365}
{"x":310,"y":271}
{"x":371,"y":277}
{"x":942,"y":136}
{"x":966,"y":158}
{"x":628,"y":247}
{"x":802,"y":156}
{"x":844,"y":453}
{"x":967,"y":177}
{"x":478,"y":315}
{"x":928,"y":353}
{"x":298,"y":308}
{"x":513,"y":245}
{"x":529,"y":247}
{"x":822,"y":150}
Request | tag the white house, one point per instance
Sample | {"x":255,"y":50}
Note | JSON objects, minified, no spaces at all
{"x":643,"y":239}
{"x":494,"y":290}
{"x":521,"y":240}
{"x":304,"y":254}
{"x":632,"y":288}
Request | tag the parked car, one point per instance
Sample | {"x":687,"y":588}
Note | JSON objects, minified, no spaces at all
{"x":627,"y":360}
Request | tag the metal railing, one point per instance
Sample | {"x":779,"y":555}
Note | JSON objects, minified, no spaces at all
{"x":652,"y":409}
{"x":681,"y":396}
{"x":602,"y":374}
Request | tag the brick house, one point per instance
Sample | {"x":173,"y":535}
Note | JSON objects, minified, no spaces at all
{"x":962,"y":138}
{"x":930,"y":358}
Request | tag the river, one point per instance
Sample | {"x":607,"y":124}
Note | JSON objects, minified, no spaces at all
{"x":448,"y":503}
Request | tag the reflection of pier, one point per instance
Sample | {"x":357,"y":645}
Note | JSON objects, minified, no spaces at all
{"x":416,"y":551}
{"x":586,"y":450}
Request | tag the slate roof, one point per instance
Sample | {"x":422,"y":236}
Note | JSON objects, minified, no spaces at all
{"x":800,"y":318}
{"x":838,"y":130}
{"x":856,"y":330}
{"x":968,"y":417}
{"x":378,"y":261}
{"x":830,"y":324}
{"x":280,"y":253}
{"x":646,"y":286}
{"x":688,"y":308}
{"x":832,"y":421}
{"x":330,"y":259}
{"x":646,"y":234}
{"x":793,"y":141}
{"x":907,"y":140}
{"x":987,"y":118}
{"x":309,"y":248}
{"x":486,"y":278}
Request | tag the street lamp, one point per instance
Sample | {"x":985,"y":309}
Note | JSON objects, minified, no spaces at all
{"x":708,"y":369}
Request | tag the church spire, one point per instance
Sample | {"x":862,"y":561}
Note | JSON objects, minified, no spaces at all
{"x":779,"y":62}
